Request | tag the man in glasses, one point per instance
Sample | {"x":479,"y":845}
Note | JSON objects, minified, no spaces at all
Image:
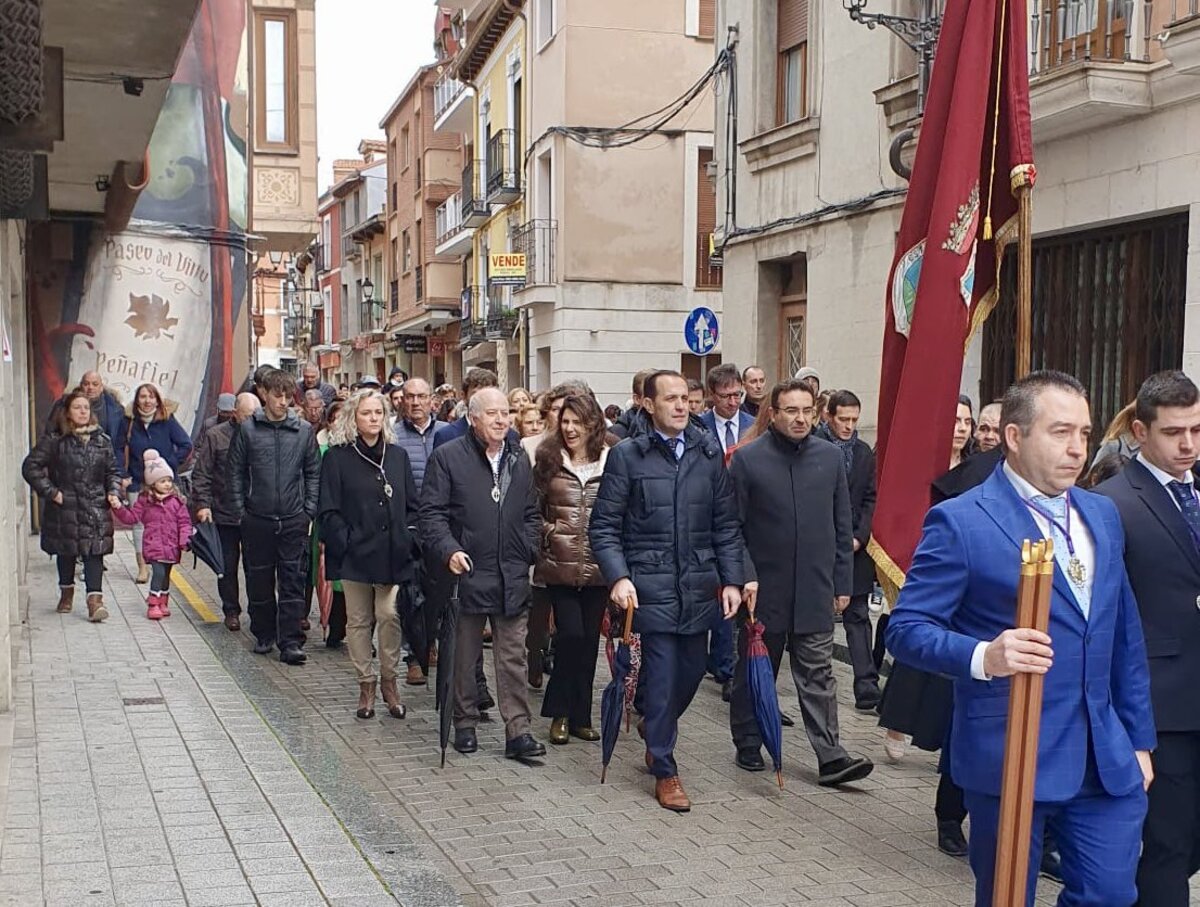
{"x":794,"y":501}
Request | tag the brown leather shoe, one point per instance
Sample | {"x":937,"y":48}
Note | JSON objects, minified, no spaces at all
{"x":391,"y":696}
{"x":66,"y":599}
{"x":534,"y":677}
{"x":416,"y":677}
{"x":670,"y":795}
{"x":366,"y":700}
{"x":233,"y":623}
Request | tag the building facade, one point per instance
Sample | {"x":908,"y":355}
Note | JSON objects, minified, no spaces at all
{"x":809,"y":232}
{"x":425,"y":280}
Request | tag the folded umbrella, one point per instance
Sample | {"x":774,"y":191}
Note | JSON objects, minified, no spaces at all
{"x":612,"y":701}
{"x":410,"y":608}
{"x":444,"y":683}
{"x":206,"y":546}
{"x":760,"y":679}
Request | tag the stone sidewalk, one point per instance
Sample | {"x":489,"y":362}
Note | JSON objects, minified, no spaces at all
{"x":141,"y":774}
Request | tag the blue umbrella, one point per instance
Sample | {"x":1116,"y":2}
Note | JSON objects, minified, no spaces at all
{"x":760,"y":678}
{"x":612,"y":702}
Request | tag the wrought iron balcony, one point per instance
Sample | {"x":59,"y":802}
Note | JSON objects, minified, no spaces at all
{"x":321,"y":257}
{"x":708,"y":274}
{"x":471,"y":333}
{"x":474,"y":210}
{"x":420,"y":282}
{"x":502,"y":325}
{"x":503,"y":174}
{"x":538,"y":239}
{"x":394,"y":296}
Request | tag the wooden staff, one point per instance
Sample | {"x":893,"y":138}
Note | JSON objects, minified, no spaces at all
{"x":1024,"y":194}
{"x":1034,"y":590}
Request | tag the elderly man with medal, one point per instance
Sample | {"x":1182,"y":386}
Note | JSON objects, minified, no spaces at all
{"x":956,"y":615}
{"x":480,"y":521}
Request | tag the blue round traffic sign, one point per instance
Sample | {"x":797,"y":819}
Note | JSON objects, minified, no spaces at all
{"x":701,"y":331}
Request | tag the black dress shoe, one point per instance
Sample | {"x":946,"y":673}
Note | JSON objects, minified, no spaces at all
{"x":844,"y":770}
{"x":264,"y":646}
{"x":951,"y":840}
{"x":523,"y":748}
{"x":866,"y":705}
{"x":750,"y":758}
{"x":726,"y":690}
{"x":293,"y":655}
{"x":465,"y":740}
{"x":1051,"y":866}
{"x":786,"y":720}
{"x":486,"y":702}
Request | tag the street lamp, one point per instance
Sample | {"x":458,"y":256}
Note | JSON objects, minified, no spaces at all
{"x":275,"y":256}
{"x":920,"y":34}
{"x":368,"y":290}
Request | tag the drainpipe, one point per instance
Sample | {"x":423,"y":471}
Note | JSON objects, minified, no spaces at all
{"x":516,"y":8}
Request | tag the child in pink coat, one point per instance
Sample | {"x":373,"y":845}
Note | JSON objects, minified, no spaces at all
{"x":168,"y":529}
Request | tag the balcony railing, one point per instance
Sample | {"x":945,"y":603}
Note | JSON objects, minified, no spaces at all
{"x":537,"y":239}
{"x":1073,"y":31}
{"x":447,"y":219}
{"x":474,"y":210}
{"x":503,"y":174}
{"x":471,"y":333}
{"x":1183,"y":10}
{"x":502,"y":325}
{"x":321,"y":257}
{"x":349,"y":246}
{"x":446,"y":91}
{"x":394,"y":296}
{"x":708,"y":275}
{"x":420,"y":281}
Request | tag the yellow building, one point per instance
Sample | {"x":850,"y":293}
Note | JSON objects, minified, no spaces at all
{"x":493,"y":62}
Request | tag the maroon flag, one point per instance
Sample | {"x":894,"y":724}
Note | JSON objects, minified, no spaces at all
{"x":975,"y":149}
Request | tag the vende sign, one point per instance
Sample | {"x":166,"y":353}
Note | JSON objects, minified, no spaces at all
{"x":506,"y":269}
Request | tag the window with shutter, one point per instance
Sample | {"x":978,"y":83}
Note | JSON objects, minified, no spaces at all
{"x":708,"y":19}
{"x":792,"y":86}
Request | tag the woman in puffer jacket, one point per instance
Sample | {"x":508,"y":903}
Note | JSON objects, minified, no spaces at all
{"x":72,"y":471}
{"x":568,"y":467}
{"x":167,"y":529}
{"x":151,"y":425}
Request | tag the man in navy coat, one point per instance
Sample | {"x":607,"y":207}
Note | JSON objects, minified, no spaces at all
{"x":1156,"y":496}
{"x":954,"y":616}
{"x":726,"y":421}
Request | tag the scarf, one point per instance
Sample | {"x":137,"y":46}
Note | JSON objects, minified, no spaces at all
{"x":86,"y":432}
{"x":147,"y":418}
{"x":847,"y":448}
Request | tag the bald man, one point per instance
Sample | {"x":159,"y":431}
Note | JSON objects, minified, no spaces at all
{"x":210,"y":491}
{"x":106,"y":405}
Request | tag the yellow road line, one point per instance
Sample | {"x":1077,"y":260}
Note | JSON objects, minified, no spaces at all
{"x":192,"y":597}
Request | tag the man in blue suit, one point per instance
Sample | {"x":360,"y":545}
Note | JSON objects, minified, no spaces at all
{"x":728,"y":423}
{"x":955,"y":614}
{"x":1156,"y":496}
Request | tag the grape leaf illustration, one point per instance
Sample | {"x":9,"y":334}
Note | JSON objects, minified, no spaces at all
{"x":151,"y":317}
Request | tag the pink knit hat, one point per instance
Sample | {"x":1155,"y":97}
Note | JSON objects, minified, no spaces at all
{"x":156,"y":468}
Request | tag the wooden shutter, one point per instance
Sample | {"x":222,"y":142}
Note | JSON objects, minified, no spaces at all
{"x":708,"y":18}
{"x":793,"y":23}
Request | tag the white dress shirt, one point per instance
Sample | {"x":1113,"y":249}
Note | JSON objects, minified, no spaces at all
{"x":1165,"y":479}
{"x":732,"y":423}
{"x":1081,"y":538}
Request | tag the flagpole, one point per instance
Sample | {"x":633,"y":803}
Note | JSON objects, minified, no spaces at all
{"x":1024,"y":193}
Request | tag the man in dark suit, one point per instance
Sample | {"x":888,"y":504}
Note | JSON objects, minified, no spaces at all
{"x":954,"y":617}
{"x":794,"y":504}
{"x":844,"y":409}
{"x":476,"y":379}
{"x":1156,"y":496}
{"x":727,"y":422}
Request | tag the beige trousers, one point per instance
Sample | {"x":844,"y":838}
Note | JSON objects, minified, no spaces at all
{"x":368,"y":604}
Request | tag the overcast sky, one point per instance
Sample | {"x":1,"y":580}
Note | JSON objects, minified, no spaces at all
{"x":367,"y":50}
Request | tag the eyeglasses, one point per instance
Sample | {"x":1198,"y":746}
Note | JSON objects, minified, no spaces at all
{"x":732,"y":395}
{"x":793,"y":411}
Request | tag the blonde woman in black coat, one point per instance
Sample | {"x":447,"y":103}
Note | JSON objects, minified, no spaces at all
{"x":368,"y":499}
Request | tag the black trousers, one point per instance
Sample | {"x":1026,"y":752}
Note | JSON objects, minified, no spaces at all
{"x":577,"y":617}
{"x":337,"y":619}
{"x":856,"y":621}
{"x":160,"y":577}
{"x":1171,"y":834}
{"x":275,"y":552}
{"x":231,"y":553}
{"x":880,"y":649}
{"x":949,"y":805}
{"x":93,"y":572}
{"x":538,"y":635}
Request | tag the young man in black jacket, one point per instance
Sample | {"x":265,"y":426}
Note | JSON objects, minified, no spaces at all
{"x":274,"y":481}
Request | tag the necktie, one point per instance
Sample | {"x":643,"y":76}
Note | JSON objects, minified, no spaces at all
{"x":1185,"y":495}
{"x":730,"y":440}
{"x":1057,"y":507}
{"x":677,"y":448}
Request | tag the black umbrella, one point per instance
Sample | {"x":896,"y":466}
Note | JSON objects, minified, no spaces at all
{"x":444,"y":684}
{"x":612,"y":701}
{"x":206,"y":546}
{"x":410,"y":608}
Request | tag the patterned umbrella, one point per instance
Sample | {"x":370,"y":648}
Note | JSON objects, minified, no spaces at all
{"x":613,"y":700}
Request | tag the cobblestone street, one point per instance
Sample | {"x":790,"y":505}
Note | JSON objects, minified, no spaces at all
{"x":166,"y":764}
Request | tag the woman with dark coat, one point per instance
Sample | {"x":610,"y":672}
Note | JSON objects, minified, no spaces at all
{"x":150,"y":425}
{"x":567,"y":473}
{"x":73,"y":472}
{"x":367,"y":501}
